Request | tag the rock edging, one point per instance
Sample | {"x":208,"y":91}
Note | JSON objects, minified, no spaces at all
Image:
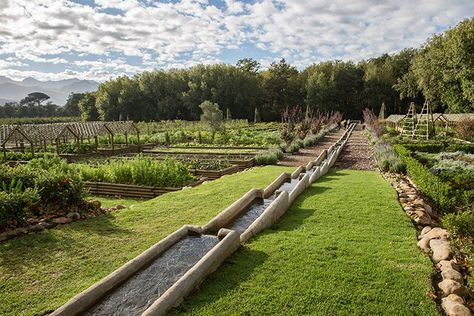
{"x":434,"y":241}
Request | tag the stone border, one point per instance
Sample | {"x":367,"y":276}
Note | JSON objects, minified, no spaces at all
{"x":230,"y":242}
{"x":271,"y":214}
{"x":227,"y":215}
{"x":433,"y":241}
{"x":298,"y":189}
{"x":278,"y":182}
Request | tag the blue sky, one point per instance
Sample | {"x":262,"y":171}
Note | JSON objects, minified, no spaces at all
{"x":102,"y":39}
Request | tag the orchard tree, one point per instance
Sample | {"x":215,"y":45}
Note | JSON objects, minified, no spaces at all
{"x":212,"y":116}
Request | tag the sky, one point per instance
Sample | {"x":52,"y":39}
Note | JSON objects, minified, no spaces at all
{"x":102,"y":39}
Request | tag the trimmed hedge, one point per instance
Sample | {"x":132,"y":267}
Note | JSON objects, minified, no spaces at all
{"x":439,"y":147}
{"x":428,"y":183}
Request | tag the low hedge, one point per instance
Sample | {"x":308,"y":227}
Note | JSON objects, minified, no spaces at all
{"x":439,"y":147}
{"x":429,"y":184}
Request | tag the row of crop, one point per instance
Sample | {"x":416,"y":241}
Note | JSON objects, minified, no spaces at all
{"x":139,"y":171}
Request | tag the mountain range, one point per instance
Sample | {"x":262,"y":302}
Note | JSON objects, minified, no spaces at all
{"x":58,"y":91}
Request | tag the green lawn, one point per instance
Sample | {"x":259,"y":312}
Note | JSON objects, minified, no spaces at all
{"x":344,"y":248}
{"x":40,"y":272}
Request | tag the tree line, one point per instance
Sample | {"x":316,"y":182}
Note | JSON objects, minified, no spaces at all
{"x":440,"y":72}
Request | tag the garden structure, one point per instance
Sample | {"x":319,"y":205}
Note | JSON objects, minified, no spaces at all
{"x":14,"y":137}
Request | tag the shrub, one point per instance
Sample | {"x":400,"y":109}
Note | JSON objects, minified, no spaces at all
{"x":465,"y":128}
{"x":270,"y":157}
{"x":15,"y":206}
{"x":387,"y":158}
{"x":460,"y":224}
{"x":57,"y":190}
{"x":294,"y":147}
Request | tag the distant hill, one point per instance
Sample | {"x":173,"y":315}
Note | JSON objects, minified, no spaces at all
{"x":12,"y":90}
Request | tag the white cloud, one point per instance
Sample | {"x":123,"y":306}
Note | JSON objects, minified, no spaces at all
{"x":163,"y":34}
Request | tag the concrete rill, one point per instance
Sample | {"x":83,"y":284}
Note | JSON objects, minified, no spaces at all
{"x":159,"y":279}
{"x":135,"y":295}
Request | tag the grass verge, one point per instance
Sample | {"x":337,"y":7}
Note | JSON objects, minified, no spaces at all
{"x":344,"y":248}
{"x":40,"y":272}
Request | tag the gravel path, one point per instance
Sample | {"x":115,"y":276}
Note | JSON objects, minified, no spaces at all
{"x":306,"y":155}
{"x":357,"y":153}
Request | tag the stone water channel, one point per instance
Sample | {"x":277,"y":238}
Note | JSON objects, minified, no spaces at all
{"x":135,"y":295}
{"x":248,"y":216}
{"x":142,"y":289}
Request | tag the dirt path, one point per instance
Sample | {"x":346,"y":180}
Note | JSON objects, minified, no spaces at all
{"x":357,"y":153}
{"x":306,"y":155}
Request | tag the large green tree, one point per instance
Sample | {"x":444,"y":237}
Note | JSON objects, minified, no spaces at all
{"x":87,"y":107}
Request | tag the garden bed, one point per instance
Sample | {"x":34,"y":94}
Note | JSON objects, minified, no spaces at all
{"x":215,"y":174}
{"x":129,"y":190}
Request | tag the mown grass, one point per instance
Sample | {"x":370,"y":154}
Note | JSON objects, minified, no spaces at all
{"x":344,"y":248}
{"x":40,"y":272}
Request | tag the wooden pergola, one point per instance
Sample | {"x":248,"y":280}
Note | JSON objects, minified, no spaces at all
{"x":55,"y":133}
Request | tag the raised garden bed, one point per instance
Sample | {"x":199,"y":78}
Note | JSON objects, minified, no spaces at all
{"x":215,"y":174}
{"x":129,"y":190}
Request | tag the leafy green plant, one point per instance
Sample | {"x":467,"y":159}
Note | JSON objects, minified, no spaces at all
{"x":139,"y":171}
{"x":15,"y":206}
{"x":460,"y":224}
{"x":15,"y":185}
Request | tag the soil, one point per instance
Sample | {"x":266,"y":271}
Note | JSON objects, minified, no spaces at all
{"x":306,"y":155}
{"x":357,"y":153}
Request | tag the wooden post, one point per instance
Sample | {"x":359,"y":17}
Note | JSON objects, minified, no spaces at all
{"x":96,"y":139}
{"x":78,"y":144}
{"x":113,"y":144}
{"x":32,"y":150}
{"x":22,"y":147}
{"x":126,"y":139}
{"x":57,"y":146}
{"x":45,"y":147}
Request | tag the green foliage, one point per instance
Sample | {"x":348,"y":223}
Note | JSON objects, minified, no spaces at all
{"x":387,"y":158}
{"x":460,"y":224}
{"x":38,"y":120}
{"x":43,"y":186}
{"x":15,"y":206}
{"x":444,"y":68}
{"x":87,"y":107}
{"x":139,"y":171}
{"x":270,"y":157}
{"x":428,"y":183}
{"x":71,"y":108}
{"x":211,"y":115}
{"x":437,"y":147}
{"x":294,"y":147}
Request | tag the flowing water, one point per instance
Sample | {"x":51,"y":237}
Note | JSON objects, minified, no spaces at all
{"x":136,"y":294}
{"x":248,"y":216}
